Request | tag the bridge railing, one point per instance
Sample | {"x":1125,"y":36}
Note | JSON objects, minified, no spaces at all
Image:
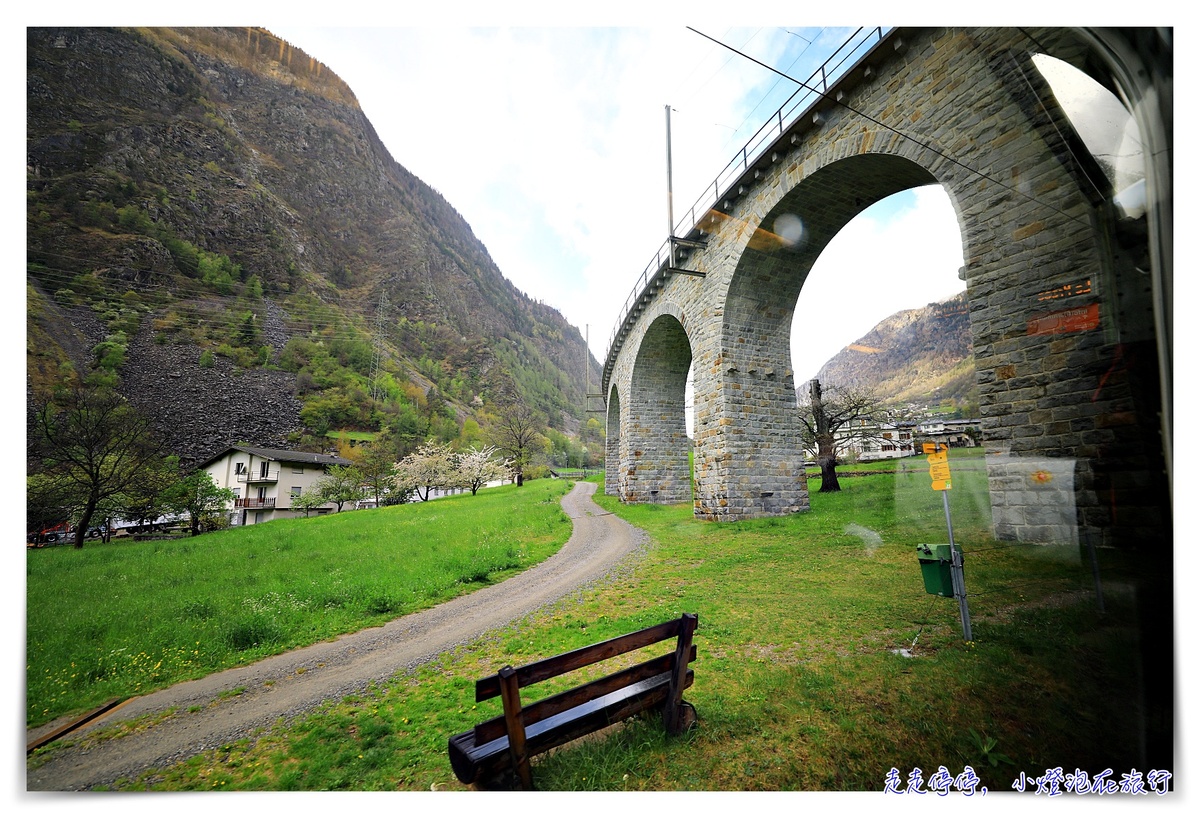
{"x":800,"y":102}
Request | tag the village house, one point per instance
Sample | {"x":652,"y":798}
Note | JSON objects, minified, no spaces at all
{"x":265,"y":481}
{"x":866,"y":440}
{"x":952,"y":433}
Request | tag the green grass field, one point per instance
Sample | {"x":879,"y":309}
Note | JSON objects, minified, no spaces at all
{"x":799,"y":683}
{"x":128,"y":617}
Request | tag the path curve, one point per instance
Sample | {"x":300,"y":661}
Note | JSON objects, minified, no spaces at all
{"x":599,"y":542}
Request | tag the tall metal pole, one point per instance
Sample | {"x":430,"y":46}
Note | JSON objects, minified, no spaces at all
{"x":957,"y":579}
{"x":670,"y":205}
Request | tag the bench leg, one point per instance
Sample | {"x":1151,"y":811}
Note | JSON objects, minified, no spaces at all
{"x":514,"y":722}
{"x":673,"y":713}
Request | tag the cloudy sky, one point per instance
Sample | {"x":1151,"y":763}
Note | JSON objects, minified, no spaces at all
{"x":551,"y":142}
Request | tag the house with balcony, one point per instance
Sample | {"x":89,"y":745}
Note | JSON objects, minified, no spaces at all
{"x":866,"y":439}
{"x":265,"y":481}
{"x":951,"y":432}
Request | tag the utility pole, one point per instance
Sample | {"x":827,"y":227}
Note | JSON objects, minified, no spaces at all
{"x":670,"y":203}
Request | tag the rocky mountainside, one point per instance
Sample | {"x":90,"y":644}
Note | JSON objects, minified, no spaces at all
{"x":921,"y":356}
{"x":213,"y":220}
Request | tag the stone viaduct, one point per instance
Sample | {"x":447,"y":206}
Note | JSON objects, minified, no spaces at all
{"x":1059,"y":310}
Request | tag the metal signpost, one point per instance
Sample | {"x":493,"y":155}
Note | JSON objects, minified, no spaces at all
{"x":939,"y":471}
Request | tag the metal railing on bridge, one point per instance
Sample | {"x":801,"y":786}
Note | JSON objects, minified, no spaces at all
{"x":803,"y":99}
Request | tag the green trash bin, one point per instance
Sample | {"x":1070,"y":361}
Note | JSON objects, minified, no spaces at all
{"x":935,"y":568}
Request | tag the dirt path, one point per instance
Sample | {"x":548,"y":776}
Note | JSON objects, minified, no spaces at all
{"x":335,"y":669}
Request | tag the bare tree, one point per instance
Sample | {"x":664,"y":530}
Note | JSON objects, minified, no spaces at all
{"x":93,"y":440}
{"x":834,"y":420}
{"x":516,"y":430}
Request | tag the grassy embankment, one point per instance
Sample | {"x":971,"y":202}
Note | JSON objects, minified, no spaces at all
{"x":798,"y":682}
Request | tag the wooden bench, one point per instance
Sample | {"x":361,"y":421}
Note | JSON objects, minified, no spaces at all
{"x":501,"y":746}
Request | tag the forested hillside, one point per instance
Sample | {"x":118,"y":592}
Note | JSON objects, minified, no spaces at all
{"x":214,"y":226}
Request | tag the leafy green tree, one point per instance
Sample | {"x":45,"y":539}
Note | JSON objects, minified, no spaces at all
{"x":376,"y":462}
{"x":409,"y":427}
{"x":247,"y":334}
{"x":49,"y":501}
{"x":254,"y":288}
{"x":343,"y":484}
{"x":308,"y":500}
{"x":94,"y":442}
{"x":198,"y":496}
{"x":146,"y":498}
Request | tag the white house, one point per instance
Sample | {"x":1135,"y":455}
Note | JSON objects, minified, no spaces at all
{"x":884,"y":441}
{"x":868,"y":440}
{"x":952,"y":432}
{"x":264,"y":481}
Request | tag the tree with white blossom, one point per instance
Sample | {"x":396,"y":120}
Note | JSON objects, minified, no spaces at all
{"x":430,"y":466}
{"x":478,"y":467}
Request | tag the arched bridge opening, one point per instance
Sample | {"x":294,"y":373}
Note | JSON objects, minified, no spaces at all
{"x":652,"y":453}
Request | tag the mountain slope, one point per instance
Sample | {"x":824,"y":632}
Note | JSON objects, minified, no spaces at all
{"x":920,"y":356}
{"x":219,"y":191}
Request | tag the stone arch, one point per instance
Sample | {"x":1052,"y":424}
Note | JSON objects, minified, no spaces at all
{"x":653,"y":453}
{"x":612,"y":442}
{"x":746,"y":417}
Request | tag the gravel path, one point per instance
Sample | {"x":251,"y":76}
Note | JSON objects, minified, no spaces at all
{"x":337,"y":668}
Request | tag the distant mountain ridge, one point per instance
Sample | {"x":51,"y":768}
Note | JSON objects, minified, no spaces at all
{"x":919,"y":356}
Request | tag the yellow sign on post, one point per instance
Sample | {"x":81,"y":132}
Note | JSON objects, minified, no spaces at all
{"x":939,"y":468}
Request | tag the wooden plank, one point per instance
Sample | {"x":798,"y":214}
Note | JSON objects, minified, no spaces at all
{"x":74,"y":724}
{"x":515,"y":726}
{"x":552,"y":705}
{"x":540,"y":671}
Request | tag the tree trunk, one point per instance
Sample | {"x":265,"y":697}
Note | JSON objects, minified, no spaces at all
{"x":85,"y":520}
{"x":825,"y":453}
{"x":829,"y":479}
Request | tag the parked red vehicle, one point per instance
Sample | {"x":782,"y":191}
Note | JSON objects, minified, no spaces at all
{"x":56,"y":534}
{"x":48,"y":536}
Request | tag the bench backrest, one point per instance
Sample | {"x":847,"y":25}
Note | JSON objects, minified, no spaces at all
{"x":489,"y":687}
